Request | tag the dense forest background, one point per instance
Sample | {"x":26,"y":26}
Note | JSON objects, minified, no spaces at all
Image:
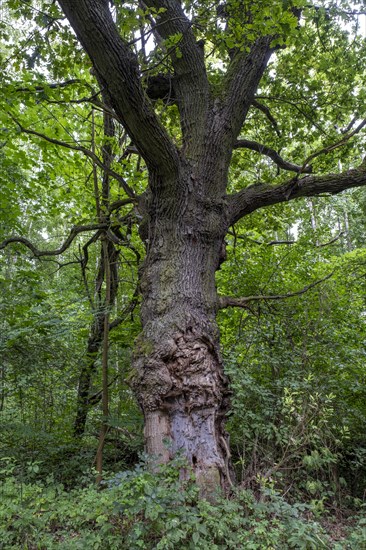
{"x":296,"y":359}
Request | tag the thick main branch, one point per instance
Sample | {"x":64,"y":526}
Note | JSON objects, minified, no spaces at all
{"x":241,"y":83}
{"x":117,"y":68}
{"x":260,"y":195}
{"x":191,"y":83}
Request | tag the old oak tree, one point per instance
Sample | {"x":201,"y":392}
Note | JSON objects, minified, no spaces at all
{"x":208,"y":61}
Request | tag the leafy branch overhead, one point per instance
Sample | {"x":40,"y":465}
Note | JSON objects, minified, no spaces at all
{"x":230,"y":301}
{"x":225,"y":111}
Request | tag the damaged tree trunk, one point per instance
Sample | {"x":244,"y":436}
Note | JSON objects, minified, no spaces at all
{"x":178,"y":377}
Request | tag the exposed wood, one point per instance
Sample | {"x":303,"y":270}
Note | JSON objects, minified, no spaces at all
{"x":178,"y":374}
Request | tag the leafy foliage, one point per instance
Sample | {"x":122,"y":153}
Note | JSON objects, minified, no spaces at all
{"x":298,"y":418}
{"x":138,"y":509}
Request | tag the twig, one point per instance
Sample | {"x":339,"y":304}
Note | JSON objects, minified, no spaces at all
{"x":326,"y":150}
{"x":268,"y":114}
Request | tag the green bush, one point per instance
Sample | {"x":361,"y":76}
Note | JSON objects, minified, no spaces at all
{"x":142,"y":509}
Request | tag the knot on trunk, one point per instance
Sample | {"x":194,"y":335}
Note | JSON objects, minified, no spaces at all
{"x":182,"y":372}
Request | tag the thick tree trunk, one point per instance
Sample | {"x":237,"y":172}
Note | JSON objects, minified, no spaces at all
{"x":179,"y":379}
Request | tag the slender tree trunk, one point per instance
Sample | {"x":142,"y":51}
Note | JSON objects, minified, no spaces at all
{"x":86,"y":374}
{"x":346,"y":227}
{"x":108,"y":272}
{"x":2,"y":388}
{"x":314,"y":223}
{"x":105,"y":398}
{"x":88,"y":369}
{"x":179,"y":379}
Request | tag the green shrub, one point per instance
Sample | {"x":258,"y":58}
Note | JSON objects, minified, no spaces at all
{"x":142,"y":509}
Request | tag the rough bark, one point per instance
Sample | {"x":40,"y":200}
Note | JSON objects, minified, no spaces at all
{"x":191,"y":86}
{"x":179,"y":379}
{"x":178,"y":372}
{"x":260,"y":195}
{"x":178,"y":375}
